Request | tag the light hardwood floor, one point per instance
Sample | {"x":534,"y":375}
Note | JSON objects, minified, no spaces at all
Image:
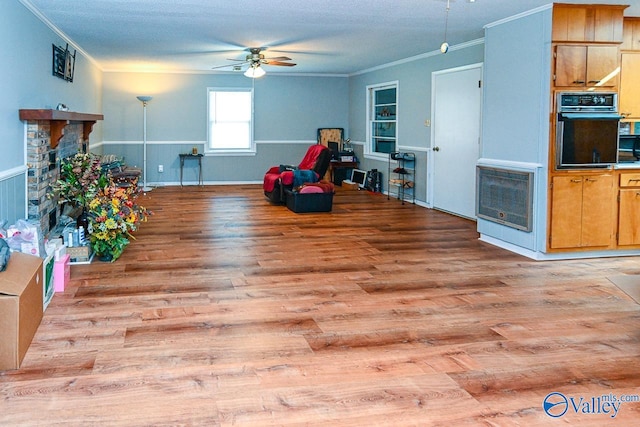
{"x":228,"y":310}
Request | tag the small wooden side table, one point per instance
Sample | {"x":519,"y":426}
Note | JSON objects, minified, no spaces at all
{"x":191,"y":156}
{"x":336,"y":164}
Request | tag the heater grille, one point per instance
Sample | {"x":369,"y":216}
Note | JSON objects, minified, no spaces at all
{"x":505,"y":196}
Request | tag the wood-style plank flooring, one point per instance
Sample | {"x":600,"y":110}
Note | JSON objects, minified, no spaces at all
{"x":228,"y":310}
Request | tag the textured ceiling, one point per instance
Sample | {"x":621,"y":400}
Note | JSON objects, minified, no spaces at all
{"x":321,"y":36}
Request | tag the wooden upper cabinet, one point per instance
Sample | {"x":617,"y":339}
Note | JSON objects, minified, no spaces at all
{"x":603,"y":66}
{"x":571,"y":65}
{"x":569,"y":23}
{"x":586,"y":66}
{"x":630,"y":85}
{"x":631,"y":34}
{"x":588,"y":23}
{"x":608,"y":24}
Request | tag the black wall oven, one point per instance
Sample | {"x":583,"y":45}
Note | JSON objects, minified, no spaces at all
{"x":587,"y":128}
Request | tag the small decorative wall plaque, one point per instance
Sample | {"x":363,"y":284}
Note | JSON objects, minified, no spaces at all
{"x":64,"y":62}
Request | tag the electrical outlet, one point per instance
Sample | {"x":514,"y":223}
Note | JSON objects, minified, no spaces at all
{"x":427,"y":123}
{"x":160,"y":168}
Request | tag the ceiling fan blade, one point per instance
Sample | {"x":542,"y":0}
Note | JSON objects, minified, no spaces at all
{"x":279,"y":58}
{"x":281,"y":64}
{"x":228,"y":65}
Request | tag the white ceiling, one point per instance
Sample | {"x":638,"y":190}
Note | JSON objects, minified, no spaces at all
{"x":321,"y":36}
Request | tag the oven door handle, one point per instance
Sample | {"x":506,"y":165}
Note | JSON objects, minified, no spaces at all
{"x":589,"y":116}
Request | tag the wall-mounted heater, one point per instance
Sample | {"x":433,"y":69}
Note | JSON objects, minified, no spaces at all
{"x":505,"y":196}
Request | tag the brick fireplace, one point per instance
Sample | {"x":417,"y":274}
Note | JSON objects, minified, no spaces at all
{"x":51,"y":136}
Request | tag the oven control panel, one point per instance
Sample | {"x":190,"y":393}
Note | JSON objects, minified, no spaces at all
{"x":588,"y":101}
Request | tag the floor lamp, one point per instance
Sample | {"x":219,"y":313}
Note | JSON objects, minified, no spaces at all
{"x":144,"y":100}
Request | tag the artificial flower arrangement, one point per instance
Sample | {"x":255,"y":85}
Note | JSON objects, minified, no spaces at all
{"x":80,"y":177}
{"x":113,"y":216}
{"x":112,"y":211}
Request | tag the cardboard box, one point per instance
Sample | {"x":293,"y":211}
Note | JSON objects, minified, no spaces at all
{"x":21,"y":287}
{"x":61,"y":273}
{"x":349,"y":185}
{"x":80,"y":254}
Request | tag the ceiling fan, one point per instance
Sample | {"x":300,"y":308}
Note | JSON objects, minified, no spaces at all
{"x":256,"y":59}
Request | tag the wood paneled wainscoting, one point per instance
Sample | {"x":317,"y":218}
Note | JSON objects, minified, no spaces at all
{"x":228,"y":310}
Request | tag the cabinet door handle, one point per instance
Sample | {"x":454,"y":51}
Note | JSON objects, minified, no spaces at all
{"x":576,"y":180}
{"x":638,"y":194}
{"x":578,"y":82}
{"x":594,"y":81}
{"x":634,"y":180}
{"x":591,"y":180}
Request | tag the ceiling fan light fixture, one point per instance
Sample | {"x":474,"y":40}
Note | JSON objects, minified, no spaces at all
{"x":255,"y":71}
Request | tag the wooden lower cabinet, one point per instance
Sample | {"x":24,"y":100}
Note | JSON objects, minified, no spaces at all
{"x":581,"y":211}
{"x":629,"y":210}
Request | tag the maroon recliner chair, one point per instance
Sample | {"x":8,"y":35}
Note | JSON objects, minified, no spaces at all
{"x":311,"y":169}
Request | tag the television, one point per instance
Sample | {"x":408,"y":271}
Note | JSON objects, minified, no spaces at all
{"x":359,"y":177}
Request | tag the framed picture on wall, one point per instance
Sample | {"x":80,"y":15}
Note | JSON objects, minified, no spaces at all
{"x":63,"y":63}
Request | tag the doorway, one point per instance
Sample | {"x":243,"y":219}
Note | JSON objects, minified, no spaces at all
{"x":456,"y":106}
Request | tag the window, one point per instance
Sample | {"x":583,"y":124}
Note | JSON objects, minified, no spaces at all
{"x":382,"y":103}
{"x":230,"y":127}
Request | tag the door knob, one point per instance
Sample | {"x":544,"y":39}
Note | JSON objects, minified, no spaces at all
{"x":436,"y":148}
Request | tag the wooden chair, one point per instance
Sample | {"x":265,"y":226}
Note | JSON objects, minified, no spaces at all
{"x":326,"y":135}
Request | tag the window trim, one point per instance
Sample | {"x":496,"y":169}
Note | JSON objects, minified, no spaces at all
{"x":370,"y":91}
{"x":230,"y":151}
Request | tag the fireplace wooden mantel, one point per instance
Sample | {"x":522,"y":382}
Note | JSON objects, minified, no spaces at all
{"x":59,"y":119}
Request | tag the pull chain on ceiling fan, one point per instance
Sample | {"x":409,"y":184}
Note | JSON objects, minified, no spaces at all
{"x":444,"y":47}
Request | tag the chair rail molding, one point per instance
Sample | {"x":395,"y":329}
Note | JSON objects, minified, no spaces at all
{"x":13,"y":172}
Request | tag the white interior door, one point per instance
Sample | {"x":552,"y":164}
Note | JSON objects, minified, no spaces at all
{"x":456,"y":113}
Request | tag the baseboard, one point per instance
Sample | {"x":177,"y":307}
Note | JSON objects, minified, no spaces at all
{"x":543,"y":256}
